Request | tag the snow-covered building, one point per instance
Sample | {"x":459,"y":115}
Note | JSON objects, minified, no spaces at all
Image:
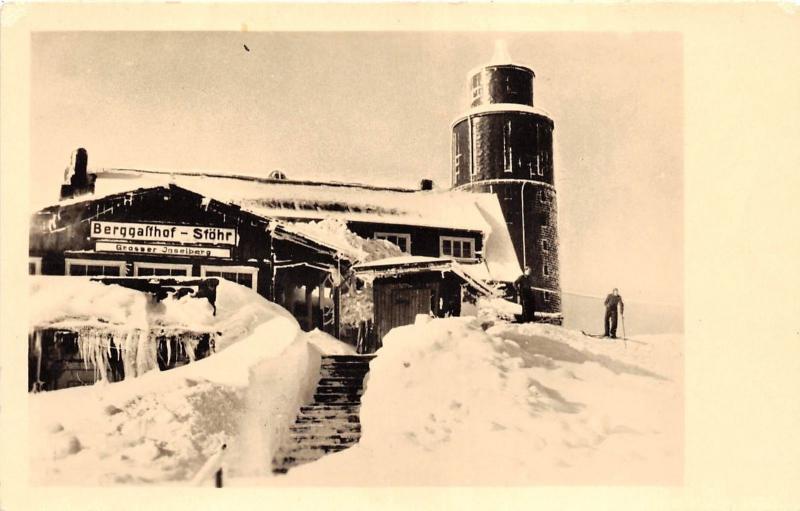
{"x":294,"y":242}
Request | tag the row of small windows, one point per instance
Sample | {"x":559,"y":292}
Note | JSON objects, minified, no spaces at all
{"x":402,"y":240}
{"x":459,"y":248}
{"x":244,"y":275}
{"x":477,"y":86}
{"x":535,"y":166}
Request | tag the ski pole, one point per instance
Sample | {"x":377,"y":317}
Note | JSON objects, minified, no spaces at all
{"x":624,"y":337}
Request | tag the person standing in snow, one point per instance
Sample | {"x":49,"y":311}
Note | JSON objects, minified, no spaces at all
{"x":613,"y":301}
{"x":524,"y":286}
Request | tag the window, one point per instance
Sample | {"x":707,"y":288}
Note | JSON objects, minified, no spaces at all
{"x":34,"y":266}
{"x":546,"y":270}
{"x":476,"y":86}
{"x":141,"y":269}
{"x":508,"y":152}
{"x":243,"y":275}
{"x":508,"y":194}
{"x":510,"y":87}
{"x":544,"y":197}
{"x":457,"y":248}
{"x":536,"y":169}
{"x":456,"y":155}
{"x":546,"y":297}
{"x":400,"y":239}
{"x":545,"y":245}
{"x":95,"y":267}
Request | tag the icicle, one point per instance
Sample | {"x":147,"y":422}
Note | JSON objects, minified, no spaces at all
{"x":129,"y":353}
{"x":38,"y":385}
{"x":93,"y":354}
{"x":169,"y":350}
{"x":146,"y":352}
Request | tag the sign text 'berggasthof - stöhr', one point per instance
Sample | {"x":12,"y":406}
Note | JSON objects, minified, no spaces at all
{"x":163,"y":232}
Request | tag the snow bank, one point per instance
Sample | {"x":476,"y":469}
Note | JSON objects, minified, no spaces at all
{"x":133,"y":319}
{"x":163,"y":426}
{"x":327,"y":344}
{"x":491,"y":309}
{"x":69,"y":301}
{"x":447,"y":403}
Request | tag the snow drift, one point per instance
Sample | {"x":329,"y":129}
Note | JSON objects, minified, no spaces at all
{"x":163,"y":426}
{"x":448,"y":403}
{"x":133,"y":320}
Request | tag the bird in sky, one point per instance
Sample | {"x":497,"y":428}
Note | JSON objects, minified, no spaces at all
{"x":245,"y":47}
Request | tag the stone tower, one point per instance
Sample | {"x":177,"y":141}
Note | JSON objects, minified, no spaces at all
{"x":504,"y":145}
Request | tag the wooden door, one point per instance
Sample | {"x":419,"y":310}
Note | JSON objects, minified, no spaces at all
{"x":400,"y":306}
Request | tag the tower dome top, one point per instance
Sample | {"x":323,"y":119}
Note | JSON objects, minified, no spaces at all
{"x":500,"y":81}
{"x":501,"y":55}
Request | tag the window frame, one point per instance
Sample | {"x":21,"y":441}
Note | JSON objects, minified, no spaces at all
{"x":37,"y":265}
{"x":476,"y":86}
{"x":460,"y":239}
{"x":508,"y":151}
{"x":71,"y":261}
{"x":146,"y":264}
{"x":539,"y":172}
{"x":221,"y":268}
{"x":376,"y":235}
{"x":457,"y":156}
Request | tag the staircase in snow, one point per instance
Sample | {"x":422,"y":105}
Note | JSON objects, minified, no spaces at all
{"x":331,"y":422}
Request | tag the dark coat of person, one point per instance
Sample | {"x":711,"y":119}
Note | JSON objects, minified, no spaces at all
{"x":612,"y":303}
{"x":525,"y":290}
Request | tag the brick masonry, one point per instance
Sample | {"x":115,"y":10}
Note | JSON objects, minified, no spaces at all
{"x":509,"y":152}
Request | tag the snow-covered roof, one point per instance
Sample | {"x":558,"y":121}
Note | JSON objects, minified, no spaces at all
{"x":393,"y":266}
{"x":499,"y":256}
{"x":500,"y":57}
{"x":287,"y":200}
{"x":406,"y":260}
{"x":334,"y":233}
{"x":307,"y":200}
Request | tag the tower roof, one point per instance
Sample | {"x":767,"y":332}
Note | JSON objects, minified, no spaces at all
{"x":500,"y":57}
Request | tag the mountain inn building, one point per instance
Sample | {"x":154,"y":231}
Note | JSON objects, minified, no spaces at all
{"x":262,"y":232}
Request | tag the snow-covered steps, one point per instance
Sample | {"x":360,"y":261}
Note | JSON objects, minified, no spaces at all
{"x":331,"y":422}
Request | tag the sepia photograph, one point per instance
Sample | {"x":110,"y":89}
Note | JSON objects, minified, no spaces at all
{"x":399,"y":256}
{"x":356,"y":258}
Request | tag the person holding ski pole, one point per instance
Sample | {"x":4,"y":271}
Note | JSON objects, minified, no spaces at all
{"x":613,"y":301}
{"x":524,"y":286}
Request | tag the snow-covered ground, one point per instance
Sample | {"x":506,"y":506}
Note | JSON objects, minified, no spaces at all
{"x":448,"y":403}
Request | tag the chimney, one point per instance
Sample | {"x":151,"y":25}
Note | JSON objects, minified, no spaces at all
{"x":77,"y":180}
{"x":426,"y":185}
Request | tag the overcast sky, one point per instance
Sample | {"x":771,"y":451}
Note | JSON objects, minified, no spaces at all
{"x":376,"y":108}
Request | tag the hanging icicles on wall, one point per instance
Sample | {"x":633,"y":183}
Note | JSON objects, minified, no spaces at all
{"x":107,"y":332}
